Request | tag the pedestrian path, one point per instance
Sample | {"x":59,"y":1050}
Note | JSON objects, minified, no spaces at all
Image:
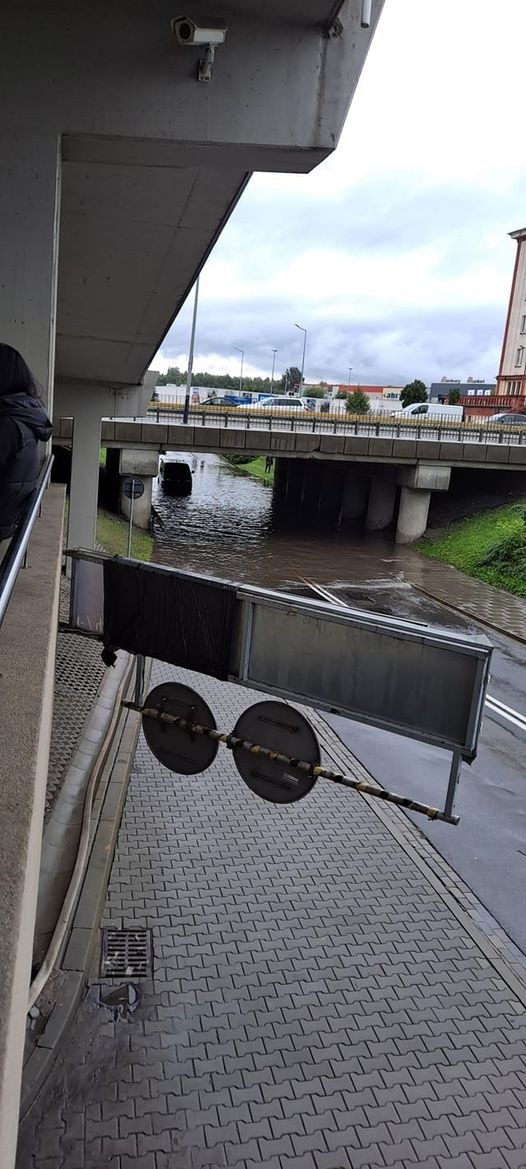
{"x":316,"y":1001}
{"x":474,"y":598}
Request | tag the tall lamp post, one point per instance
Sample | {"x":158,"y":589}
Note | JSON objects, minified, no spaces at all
{"x":349,"y":378}
{"x":242,"y":352}
{"x":304,"y":331}
{"x":274,"y":351}
{"x":191,"y":356}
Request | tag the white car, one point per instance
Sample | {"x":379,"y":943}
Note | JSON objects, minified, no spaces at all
{"x":276,"y":402}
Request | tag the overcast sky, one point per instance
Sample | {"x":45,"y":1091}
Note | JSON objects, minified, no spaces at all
{"x":394,"y":253}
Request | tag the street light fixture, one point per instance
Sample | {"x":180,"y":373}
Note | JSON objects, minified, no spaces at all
{"x":349,"y":378}
{"x":304,"y":331}
{"x":274,"y":351}
{"x":242,"y":352}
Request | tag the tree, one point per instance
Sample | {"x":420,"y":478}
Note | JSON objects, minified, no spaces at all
{"x":454,"y":396}
{"x":413,"y":392}
{"x":357,"y":402}
{"x":314,"y":391}
{"x":291,"y":379}
{"x":342,"y":394}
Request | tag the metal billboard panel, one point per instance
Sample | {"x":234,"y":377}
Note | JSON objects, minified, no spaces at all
{"x":418,"y":681}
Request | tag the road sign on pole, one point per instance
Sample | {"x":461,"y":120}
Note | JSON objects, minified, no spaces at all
{"x":132,"y":488}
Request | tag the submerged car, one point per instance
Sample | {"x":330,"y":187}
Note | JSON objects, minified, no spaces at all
{"x":176,"y":476}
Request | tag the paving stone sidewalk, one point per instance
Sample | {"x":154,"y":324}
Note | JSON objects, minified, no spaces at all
{"x":474,"y":598}
{"x":315,"y":1003}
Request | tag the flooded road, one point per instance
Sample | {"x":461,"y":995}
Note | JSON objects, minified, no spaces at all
{"x":229,"y":527}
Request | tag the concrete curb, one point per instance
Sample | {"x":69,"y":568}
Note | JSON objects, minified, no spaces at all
{"x":498,"y":949}
{"x":61,"y":834}
{"x":107,"y":813}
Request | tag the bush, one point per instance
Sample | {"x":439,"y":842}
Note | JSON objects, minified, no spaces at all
{"x":509,"y":553}
{"x":357,"y":403}
{"x":238,"y":460}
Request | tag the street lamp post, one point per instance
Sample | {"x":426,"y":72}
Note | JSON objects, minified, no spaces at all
{"x":304,"y":331}
{"x":349,"y":378}
{"x":242,"y":352}
{"x":274,"y":351}
{"x":191,"y":356}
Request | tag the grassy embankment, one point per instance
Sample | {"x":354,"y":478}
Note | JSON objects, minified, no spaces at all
{"x":490,"y":547}
{"x":254,"y":467}
{"x":112,"y":535}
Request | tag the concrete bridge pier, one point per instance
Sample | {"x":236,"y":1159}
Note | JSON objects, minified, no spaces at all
{"x":412,"y":515}
{"x":145,"y":465}
{"x":381,"y":505}
{"x":355,"y":495}
{"x":417,"y":484}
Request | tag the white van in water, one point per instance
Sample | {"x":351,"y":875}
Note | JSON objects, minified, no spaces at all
{"x":433,"y":410}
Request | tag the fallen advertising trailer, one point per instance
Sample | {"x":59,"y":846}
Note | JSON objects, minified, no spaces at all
{"x":416,"y":680}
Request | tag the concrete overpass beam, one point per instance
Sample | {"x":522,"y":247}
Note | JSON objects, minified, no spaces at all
{"x":425,"y":477}
{"x":380,"y":509}
{"x":30,"y":179}
{"x":412,"y":515}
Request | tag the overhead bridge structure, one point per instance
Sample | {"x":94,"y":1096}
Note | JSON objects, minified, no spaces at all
{"x":122,"y":156}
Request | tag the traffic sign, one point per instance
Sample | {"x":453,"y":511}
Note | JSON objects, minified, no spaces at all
{"x":285,"y":731}
{"x":174,"y":746}
{"x":132,"y":487}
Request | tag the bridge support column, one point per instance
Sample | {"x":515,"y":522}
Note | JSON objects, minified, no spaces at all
{"x":355,"y":493}
{"x":380,"y":509}
{"x":412,"y":514}
{"x":417,"y":483}
{"x":30,"y":172}
{"x":145,"y":465}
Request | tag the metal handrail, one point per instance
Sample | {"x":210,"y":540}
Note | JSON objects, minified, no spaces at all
{"x":14,"y":556}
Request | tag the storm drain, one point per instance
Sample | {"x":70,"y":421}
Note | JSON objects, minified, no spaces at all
{"x":126,"y":954}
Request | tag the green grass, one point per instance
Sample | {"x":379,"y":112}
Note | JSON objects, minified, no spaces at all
{"x":112,"y":534}
{"x":490,"y":546}
{"x":257,"y":467}
{"x":102,"y":456}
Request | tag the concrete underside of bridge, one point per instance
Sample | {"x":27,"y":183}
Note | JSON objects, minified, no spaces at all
{"x":118,"y":171}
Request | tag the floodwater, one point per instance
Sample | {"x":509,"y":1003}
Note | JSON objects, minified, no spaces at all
{"x":229,"y":527}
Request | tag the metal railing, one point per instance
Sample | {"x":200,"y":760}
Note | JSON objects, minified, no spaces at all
{"x":15,"y":554}
{"x":438,"y":427}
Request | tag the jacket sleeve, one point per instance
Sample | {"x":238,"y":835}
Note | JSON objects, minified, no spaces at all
{"x":9,"y":442}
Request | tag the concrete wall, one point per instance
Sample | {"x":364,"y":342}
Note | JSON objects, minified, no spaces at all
{"x":27,"y":648}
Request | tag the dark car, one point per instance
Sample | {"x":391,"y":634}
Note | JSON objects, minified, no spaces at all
{"x":176,"y":476}
{"x":511,"y":419}
{"x":218,"y":403}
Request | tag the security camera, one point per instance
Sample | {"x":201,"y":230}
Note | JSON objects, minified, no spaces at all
{"x":187,"y":32}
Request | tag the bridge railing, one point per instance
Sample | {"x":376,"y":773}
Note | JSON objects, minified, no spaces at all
{"x":438,"y":427}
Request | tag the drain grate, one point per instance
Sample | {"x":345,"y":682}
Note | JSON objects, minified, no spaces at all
{"x":126,"y":954}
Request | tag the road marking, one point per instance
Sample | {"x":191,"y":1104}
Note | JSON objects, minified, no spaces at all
{"x":494,"y":705}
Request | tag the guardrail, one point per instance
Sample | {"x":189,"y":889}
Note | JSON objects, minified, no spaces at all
{"x":437,"y":426}
{"x":15,"y":555}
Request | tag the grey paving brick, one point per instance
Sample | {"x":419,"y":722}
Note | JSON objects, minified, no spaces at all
{"x":315,"y":1003}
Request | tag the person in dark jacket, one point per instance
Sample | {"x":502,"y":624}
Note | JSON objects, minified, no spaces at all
{"x":23,"y":423}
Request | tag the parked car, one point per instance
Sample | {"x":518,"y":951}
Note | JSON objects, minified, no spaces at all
{"x":276,"y":402}
{"x":509,"y":419}
{"x":217,"y":403}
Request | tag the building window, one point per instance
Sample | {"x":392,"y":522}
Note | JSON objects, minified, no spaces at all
{"x":523,"y":325}
{"x":520,"y":355}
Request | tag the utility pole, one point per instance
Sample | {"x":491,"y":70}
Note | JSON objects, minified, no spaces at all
{"x":242,"y":352}
{"x":304,"y":331}
{"x":274,"y":351}
{"x":191,"y":357}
